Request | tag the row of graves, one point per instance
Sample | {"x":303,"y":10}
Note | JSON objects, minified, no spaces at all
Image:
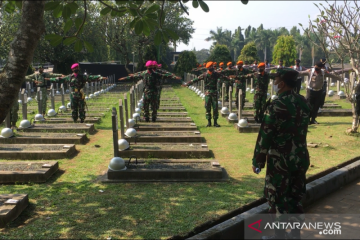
{"x":244,"y":121}
{"x":168,"y":150}
{"x":41,"y":140}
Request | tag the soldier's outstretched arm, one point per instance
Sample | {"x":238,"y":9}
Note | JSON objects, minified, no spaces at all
{"x":201,"y":77}
{"x":265,"y":137}
{"x":304,"y":73}
{"x":30,"y":78}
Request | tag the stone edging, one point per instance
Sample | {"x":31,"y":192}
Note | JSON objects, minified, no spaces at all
{"x":315,"y":190}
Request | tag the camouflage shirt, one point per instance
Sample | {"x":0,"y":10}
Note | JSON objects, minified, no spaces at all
{"x":40,"y":77}
{"x":210,"y":81}
{"x":241,"y":78}
{"x":152,"y":81}
{"x":78,"y":81}
{"x":262,"y":82}
{"x":283,"y":131}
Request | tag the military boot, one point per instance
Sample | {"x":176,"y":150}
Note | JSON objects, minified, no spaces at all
{"x":82,"y":120}
{"x":153,"y":119}
{"x":209,"y":123}
{"x":215,"y":123}
{"x":279,"y":234}
{"x":147,"y":119}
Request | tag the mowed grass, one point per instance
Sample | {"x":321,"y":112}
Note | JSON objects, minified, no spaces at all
{"x":70,"y":204}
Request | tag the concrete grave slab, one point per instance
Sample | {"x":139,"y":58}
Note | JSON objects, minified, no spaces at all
{"x":168,"y":171}
{"x":45,"y":138}
{"x":67,"y":120}
{"x":251,"y":128}
{"x":24,"y":172}
{"x":167,"y":136}
{"x":36,"y":151}
{"x":167,"y":150}
{"x":11,"y":206}
{"x":165,"y":127}
{"x":61,"y":127}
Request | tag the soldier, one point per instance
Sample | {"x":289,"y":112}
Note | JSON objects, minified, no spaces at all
{"x":314,"y":89}
{"x":227,"y":72}
{"x":281,"y":144}
{"x":219,"y":83}
{"x":240,"y":80}
{"x":167,"y":75}
{"x":77,"y":97}
{"x":261,"y":88}
{"x":210,"y":78}
{"x":297,"y":67}
{"x":39,"y":80}
{"x":14,"y":114}
{"x":151,"y":80}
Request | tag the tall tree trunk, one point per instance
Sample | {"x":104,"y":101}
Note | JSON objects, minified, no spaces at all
{"x":21,"y":53}
{"x":265,"y":54}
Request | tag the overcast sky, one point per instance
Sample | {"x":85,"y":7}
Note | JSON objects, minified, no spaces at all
{"x":231,"y":14}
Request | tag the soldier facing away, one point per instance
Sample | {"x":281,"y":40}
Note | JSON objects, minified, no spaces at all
{"x":151,"y":79}
{"x":77,"y":97}
{"x":281,"y":144}
{"x":240,"y":80}
{"x":40,"y":81}
{"x":210,"y":80}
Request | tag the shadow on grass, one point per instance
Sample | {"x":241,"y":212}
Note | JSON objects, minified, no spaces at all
{"x":146,"y":210}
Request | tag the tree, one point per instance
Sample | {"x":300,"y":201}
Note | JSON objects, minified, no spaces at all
{"x":249,"y":53}
{"x":285,"y":49}
{"x":31,"y":27}
{"x":202,"y":55}
{"x":185,"y":62}
{"x":337,"y":30}
{"x":219,"y":54}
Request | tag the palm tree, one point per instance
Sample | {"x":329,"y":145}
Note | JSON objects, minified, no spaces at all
{"x":218,"y":37}
{"x":262,"y":41}
{"x":301,"y":42}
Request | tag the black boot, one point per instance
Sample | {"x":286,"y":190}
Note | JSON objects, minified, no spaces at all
{"x":279,"y":234}
{"x":82,"y":120}
{"x":215,"y":123}
{"x":147,"y":119}
{"x":153,"y":119}
{"x":209,"y":123}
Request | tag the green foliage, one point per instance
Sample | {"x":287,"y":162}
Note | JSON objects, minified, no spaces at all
{"x":249,"y":53}
{"x":186,"y":62}
{"x":219,"y":54}
{"x":285,"y":49}
{"x":202,"y":55}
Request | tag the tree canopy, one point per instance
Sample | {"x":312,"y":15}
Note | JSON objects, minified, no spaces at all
{"x":186,"y":62}
{"x":285,"y":49}
{"x":220,"y":53}
{"x":249,"y":53}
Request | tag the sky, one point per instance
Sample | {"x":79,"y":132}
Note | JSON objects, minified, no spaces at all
{"x":231,"y":14}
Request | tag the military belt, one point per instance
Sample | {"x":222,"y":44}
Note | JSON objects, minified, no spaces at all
{"x":315,"y":89}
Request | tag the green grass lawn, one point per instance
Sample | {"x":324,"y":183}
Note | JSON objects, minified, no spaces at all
{"x":70,"y":205}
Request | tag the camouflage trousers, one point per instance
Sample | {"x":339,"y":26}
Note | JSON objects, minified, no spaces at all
{"x":159,"y":96}
{"x":77,"y":106}
{"x":243,"y":97}
{"x":219,"y":87}
{"x":151,"y":99}
{"x":211,"y":101}
{"x":284,"y":189}
{"x":44,"y":99}
{"x":259,"y":104}
{"x":14,"y":113}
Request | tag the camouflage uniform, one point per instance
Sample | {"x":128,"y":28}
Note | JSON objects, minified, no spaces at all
{"x":166,"y":75}
{"x":261,"y":89}
{"x":14,"y":113}
{"x":152,"y":81}
{"x":40,"y":77}
{"x":226,"y":72}
{"x":240,"y":76}
{"x":211,"y":100}
{"x":282,"y":139}
{"x":77,"y":96}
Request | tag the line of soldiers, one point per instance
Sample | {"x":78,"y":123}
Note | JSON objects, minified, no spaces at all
{"x":77,"y":82}
{"x":153,"y":78}
{"x":262,"y":73}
